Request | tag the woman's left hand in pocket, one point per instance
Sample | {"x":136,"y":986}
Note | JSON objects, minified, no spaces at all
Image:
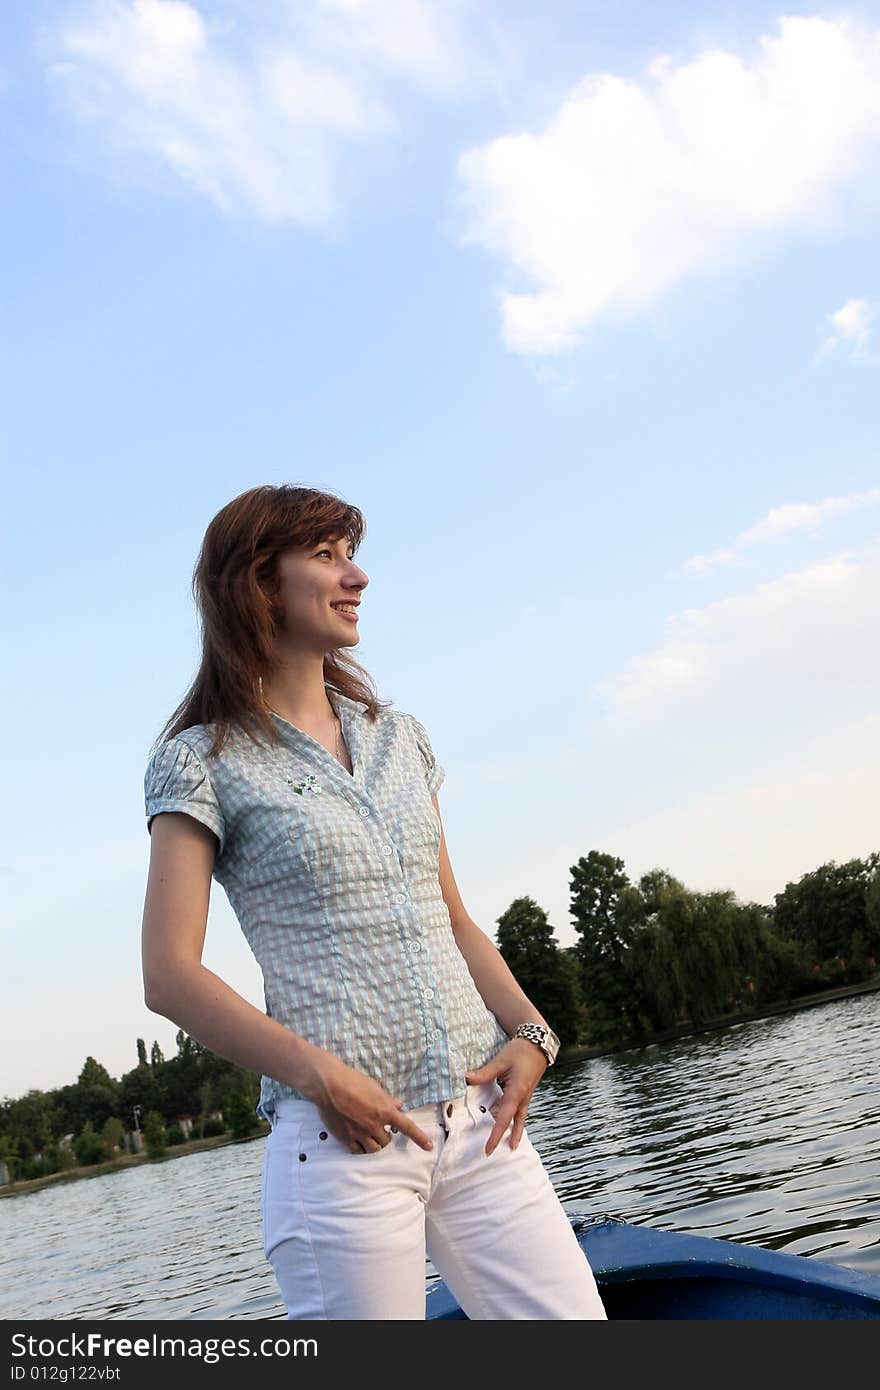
{"x":518,"y":1067}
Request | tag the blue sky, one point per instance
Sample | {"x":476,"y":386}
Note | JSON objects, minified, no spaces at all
{"x":577,"y":304}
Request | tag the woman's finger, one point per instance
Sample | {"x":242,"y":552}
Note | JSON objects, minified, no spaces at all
{"x":367,"y":1145}
{"x":519,"y":1124}
{"x":503,"y":1117}
{"x":371,"y":1144}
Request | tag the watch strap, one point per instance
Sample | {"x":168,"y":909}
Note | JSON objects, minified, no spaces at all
{"x":542,"y":1037}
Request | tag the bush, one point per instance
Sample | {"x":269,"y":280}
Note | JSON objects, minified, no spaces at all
{"x":38,"y":1167}
{"x":174,"y":1135}
{"x":240,"y":1116}
{"x":64,"y":1156}
{"x":111,"y":1136}
{"x":213,"y":1127}
{"x":88,"y":1146}
{"x":9,"y":1155}
{"x":154,"y":1133}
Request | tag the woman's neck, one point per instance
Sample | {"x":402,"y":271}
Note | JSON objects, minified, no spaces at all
{"x":295,"y":689}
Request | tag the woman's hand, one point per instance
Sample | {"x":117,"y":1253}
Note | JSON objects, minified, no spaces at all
{"x":518,"y":1067}
{"x":360,"y":1112}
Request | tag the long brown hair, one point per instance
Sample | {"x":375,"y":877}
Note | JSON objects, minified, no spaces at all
{"x":234,"y":585}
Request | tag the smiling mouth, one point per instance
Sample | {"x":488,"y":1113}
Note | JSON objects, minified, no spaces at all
{"x":347,"y":611}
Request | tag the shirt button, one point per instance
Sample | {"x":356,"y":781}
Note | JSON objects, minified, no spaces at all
{"x":363,"y":810}
{"x":427,"y":994}
{"x":415,"y":947}
{"x":400,"y":897}
{"x":437,"y":1035}
{"x":387,"y":849}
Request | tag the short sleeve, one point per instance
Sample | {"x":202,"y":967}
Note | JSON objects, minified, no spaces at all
{"x":176,"y":780}
{"x":434,"y":773}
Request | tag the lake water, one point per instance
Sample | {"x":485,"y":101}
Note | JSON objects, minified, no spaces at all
{"x":766,"y":1133}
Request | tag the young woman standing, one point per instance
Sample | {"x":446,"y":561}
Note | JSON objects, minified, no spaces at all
{"x":398,"y":1054}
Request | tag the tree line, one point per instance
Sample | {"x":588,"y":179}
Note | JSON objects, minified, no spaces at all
{"x":87,"y":1123}
{"x":650,"y":957}
{"x":654,"y":956}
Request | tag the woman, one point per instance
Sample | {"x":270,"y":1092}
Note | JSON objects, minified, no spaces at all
{"x":398,"y":1053}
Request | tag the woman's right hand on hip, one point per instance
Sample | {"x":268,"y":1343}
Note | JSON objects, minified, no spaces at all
{"x":360,"y":1112}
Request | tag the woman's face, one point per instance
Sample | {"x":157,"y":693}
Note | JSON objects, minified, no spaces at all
{"x":312,"y":582}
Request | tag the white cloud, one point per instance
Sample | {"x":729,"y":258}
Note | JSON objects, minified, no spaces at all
{"x":258,"y":121}
{"x":413,"y":37}
{"x":852,"y":325}
{"x":713,"y":557}
{"x":634,"y":186}
{"x":780,"y":521}
{"x":776,"y":642}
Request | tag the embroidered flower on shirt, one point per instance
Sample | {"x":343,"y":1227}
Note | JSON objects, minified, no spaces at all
{"x":307,"y":784}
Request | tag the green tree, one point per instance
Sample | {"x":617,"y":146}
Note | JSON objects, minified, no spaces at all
{"x":9,"y":1155}
{"x":64,"y":1155}
{"x":656,"y":887}
{"x":858,"y":966}
{"x":239,"y":1115}
{"x":570,"y":967}
{"x":872,"y":916}
{"x":598,"y":884}
{"x":88,"y":1146}
{"x":96,"y":1095}
{"x":154,"y":1133}
{"x":32,"y":1118}
{"x":138,"y":1087}
{"x":823,"y":909}
{"x":156,"y":1058}
{"x":187,"y":1046}
{"x":111,"y":1136}
{"x":142,"y":1052}
{"x":657,"y":982}
{"x":207,"y":1103}
{"x":775,"y":967}
{"x":527,"y":943}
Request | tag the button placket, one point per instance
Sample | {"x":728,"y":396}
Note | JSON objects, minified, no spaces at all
{"x":313,"y":878}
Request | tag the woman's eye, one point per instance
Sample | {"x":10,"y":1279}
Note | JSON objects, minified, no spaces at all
{"x":330,"y":552}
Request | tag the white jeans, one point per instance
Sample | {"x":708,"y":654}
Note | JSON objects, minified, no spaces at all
{"x":347,"y":1233}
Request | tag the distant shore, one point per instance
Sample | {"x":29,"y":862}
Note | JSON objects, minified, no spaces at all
{"x":574,"y":1053}
{"x":113,"y":1165}
{"x":714,"y":1025}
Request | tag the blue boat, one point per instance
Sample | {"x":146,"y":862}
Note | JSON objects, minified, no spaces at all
{"x":645,"y":1273}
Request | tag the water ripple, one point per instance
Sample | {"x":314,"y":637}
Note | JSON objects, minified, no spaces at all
{"x":766,"y":1133}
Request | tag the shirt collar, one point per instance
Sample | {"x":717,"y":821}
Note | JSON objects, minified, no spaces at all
{"x":313,"y":752}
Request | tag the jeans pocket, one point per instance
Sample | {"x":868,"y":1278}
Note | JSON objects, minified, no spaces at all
{"x":360,"y":1156}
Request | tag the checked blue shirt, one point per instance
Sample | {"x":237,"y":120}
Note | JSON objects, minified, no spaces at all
{"x":333,"y":877}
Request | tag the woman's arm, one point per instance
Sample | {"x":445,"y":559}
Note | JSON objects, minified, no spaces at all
{"x":491,"y":973}
{"x":178,"y":986}
{"x":519,"y":1064}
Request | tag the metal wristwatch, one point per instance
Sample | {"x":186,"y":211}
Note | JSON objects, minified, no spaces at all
{"x":543,"y":1037}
